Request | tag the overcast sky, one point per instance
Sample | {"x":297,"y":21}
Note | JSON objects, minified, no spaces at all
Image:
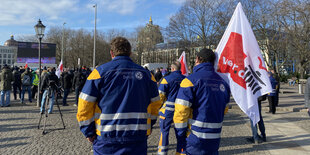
{"x":18,"y":17}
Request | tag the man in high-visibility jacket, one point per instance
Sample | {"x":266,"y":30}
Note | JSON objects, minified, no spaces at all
{"x":200,"y":106}
{"x":118,"y":104}
{"x":168,"y":90}
{"x":35,"y":83}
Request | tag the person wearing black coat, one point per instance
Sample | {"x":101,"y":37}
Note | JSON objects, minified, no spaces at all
{"x":17,"y":83}
{"x":66,"y":80}
{"x":158,"y":75}
{"x":79,"y":80}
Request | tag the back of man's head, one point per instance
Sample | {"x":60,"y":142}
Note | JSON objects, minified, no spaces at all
{"x":176,"y":66}
{"x":53,"y":70}
{"x":120,"y":46}
{"x":206,"y":55}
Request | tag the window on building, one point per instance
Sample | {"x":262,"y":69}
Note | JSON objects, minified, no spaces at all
{"x":4,"y":55}
{"x":4,"y":61}
{"x":0,"y":55}
{"x":9,"y":55}
{"x":0,"y":61}
{"x":9,"y":62}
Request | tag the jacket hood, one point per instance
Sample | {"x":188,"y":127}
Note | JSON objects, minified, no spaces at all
{"x":6,"y":70}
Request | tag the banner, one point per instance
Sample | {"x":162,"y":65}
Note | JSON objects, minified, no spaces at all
{"x":59,"y":70}
{"x":184,"y":68}
{"x":240,"y":63}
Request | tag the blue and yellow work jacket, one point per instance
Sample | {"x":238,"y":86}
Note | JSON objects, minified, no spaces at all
{"x":118,"y":102}
{"x":168,"y":90}
{"x":199,"y":107}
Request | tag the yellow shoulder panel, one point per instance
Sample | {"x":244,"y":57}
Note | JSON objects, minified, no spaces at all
{"x":163,"y":81}
{"x":186,"y":83}
{"x":94,"y":75}
{"x":153,"y":78}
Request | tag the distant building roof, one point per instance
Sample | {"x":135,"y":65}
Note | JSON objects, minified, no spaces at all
{"x":11,"y":42}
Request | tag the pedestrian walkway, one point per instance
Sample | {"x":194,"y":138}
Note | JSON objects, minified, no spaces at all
{"x":285,"y":137}
{"x":287,"y":131}
{"x":289,"y":100}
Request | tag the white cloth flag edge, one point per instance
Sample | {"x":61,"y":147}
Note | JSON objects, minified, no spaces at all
{"x":184,"y":61}
{"x":239,"y":23}
{"x":58,"y":71}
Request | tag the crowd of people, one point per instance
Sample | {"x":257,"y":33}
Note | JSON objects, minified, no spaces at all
{"x":22,"y":79}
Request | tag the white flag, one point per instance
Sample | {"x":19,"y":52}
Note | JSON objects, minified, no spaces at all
{"x":59,"y":70}
{"x":184,"y":68}
{"x":240,"y":63}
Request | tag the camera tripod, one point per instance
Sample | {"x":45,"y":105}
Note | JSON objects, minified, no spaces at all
{"x":50,"y":92}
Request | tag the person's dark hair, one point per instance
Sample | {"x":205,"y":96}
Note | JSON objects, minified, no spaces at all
{"x":176,"y":65}
{"x":53,"y":69}
{"x":206,"y":55}
{"x":120,"y":46}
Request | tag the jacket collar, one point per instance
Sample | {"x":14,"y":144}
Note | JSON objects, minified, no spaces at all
{"x":207,"y":66}
{"x":176,"y":72}
{"x":121,"y":58}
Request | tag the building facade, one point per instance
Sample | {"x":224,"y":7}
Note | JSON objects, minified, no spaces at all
{"x":7,"y":55}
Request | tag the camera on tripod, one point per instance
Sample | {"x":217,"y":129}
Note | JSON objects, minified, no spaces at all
{"x":52,"y":90}
{"x":54,"y":87}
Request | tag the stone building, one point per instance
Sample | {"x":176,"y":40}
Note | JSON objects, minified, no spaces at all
{"x":8,"y":52}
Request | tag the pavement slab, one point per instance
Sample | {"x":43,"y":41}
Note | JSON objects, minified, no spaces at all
{"x":288,"y":131}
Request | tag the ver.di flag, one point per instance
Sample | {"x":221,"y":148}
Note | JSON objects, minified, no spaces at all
{"x":240,"y":63}
{"x":184,"y":68}
{"x":59,"y":70}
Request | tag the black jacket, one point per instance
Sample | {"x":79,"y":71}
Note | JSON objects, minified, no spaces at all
{"x":50,"y":79}
{"x":158,"y":76}
{"x":17,"y":77}
{"x":79,"y":80}
{"x":66,"y":80}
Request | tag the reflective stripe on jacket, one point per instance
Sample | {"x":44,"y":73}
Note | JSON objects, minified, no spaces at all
{"x":200,"y":106}
{"x":119,"y":102}
{"x":168,"y":90}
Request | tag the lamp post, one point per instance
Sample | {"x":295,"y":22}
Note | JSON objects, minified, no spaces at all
{"x":62,"y":43}
{"x":39,"y":28}
{"x":94,"y":55}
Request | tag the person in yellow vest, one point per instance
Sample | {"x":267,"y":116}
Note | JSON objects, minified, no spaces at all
{"x":35,"y":83}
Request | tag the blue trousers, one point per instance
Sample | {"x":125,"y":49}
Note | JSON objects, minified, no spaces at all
{"x":165,"y":124}
{"x":52,"y":100}
{"x":102,"y":147}
{"x":261,"y":124}
{"x":6,"y":94}
{"x":66,"y":93}
{"x":23,"y":93}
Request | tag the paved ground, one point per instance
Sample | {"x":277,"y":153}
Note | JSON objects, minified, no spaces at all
{"x":288,"y":132}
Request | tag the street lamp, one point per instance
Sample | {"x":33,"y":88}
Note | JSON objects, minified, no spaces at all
{"x":62,"y":42}
{"x":94,"y":55}
{"x":40,"y":33}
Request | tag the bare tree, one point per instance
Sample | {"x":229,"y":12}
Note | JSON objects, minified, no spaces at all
{"x":79,"y":44}
{"x":295,"y":18}
{"x":199,"y":20}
